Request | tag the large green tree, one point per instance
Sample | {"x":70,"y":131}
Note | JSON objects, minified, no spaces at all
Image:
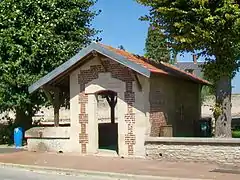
{"x":213,"y":28}
{"x":35,"y":37}
{"x":156,"y":45}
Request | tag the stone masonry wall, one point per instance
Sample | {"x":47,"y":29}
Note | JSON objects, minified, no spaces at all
{"x":211,"y":152}
{"x":117,"y":71}
{"x":51,"y":139}
{"x":48,"y":145}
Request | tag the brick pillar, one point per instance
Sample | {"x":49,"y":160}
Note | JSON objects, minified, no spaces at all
{"x":130,"y":137}
{"x":83,"y":119}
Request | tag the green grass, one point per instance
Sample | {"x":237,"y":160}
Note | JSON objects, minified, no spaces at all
{"x":236,"y":134}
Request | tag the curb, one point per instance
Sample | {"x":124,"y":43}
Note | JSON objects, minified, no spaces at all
{"x":85,"y":173}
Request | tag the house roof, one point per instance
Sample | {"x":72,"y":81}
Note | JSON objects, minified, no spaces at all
{"x":137,"y":63}
{"x":136,"y":59}
{"x":196,"y":67}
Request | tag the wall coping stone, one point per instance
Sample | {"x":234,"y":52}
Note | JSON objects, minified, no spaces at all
{"x":48,"y":133}
{"x":192,"y":141}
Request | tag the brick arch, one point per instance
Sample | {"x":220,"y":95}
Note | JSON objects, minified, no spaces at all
{"x":106,"y":92}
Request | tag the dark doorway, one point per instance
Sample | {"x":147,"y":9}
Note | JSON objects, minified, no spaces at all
{"x":108,"y":131}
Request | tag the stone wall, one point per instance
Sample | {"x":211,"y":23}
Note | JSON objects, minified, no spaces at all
{"x":48,"y":139}
{"x":211,"y":150}
{"x":48,"y":145}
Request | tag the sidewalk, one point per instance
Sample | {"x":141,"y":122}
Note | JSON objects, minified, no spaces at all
{"x":117,"y":165}
{"x":5,"y":149}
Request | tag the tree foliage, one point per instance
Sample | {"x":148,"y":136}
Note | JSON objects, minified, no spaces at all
{"x":35,"y":37}
{"x":121,"y":47}
{"x":156,"y":45}
{"x":213,"y":28}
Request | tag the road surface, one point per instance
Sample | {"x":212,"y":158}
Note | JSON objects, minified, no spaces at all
{"x":10,"y":173}
{"x":21,"y":174}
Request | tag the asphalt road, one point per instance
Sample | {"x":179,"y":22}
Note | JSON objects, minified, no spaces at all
{"x":21,"y":174}
{"x":10,"y":173}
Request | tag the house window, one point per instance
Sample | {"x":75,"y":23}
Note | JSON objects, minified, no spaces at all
{"x":189,"y":70}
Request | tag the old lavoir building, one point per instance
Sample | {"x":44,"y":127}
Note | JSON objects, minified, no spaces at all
{"x":117,"y":99}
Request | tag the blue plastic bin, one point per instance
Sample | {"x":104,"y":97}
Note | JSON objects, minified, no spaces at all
{"x":18,"y":137}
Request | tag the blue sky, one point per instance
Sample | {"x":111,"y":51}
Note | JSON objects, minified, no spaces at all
{"x":120,"y":25}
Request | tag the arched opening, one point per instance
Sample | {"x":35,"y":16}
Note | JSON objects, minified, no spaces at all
{"x":107,"y":120}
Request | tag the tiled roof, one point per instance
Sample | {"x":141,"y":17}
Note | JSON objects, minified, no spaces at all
{"x":136,"y":59}
{"x":191,"y":76}
{"x":137,"y":63}
{"x":161,"y":68}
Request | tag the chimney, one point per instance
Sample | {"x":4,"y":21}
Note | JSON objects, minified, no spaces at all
{"x":194,"y":58}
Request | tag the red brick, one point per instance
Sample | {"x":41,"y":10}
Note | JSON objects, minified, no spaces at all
{"x":130,"y":139}
{"x":157,"y":118}
{"x":129,"y":86}
{"x":83,"y":98}
{"x":129,"y":96}
{"x":84,"y":148}
{"x":83,"y":138}
{"x":83,"y":128}
{"x":83,"y":118}
{"x":83,"y":109}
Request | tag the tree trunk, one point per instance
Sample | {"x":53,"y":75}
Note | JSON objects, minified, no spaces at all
{"x":223,"y":101}
{"x":23,"y":120}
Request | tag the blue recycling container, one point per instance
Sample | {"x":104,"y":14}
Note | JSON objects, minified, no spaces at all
{"x":18,"y":137}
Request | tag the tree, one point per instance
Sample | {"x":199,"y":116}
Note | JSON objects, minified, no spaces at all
{"x":213,"y":28}
{"x":156,"y":45}
{"x":36,"y":37}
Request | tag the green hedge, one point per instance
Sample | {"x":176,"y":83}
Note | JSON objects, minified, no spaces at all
{"x":236,"y":134}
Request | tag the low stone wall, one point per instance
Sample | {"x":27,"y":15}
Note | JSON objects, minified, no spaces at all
{"x":50,"y":139}
{"x":211,"y":150}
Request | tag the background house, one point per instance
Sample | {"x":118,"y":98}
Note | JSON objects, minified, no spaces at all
{"x":193,"y":67}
